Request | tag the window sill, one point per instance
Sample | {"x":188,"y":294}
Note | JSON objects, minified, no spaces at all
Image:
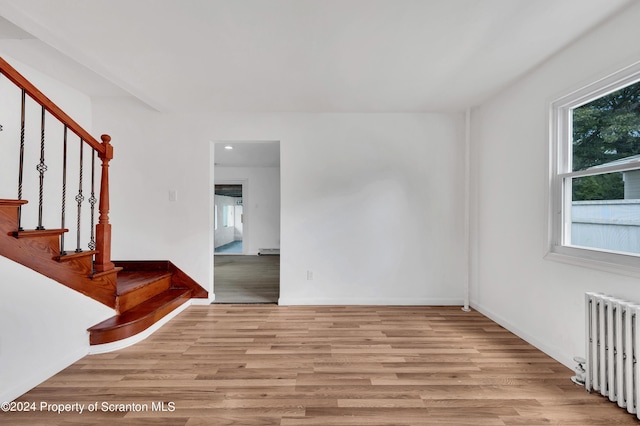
{"x":592,"y":259}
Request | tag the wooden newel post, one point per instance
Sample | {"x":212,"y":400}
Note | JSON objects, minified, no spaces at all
{"x":103,"y":228}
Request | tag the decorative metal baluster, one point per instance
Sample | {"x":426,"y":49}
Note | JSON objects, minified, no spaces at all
{"x":21,"y":167}
{"x":41,"y":168}
{"x":64,"y":190}
{"x":79,"y":199}
{"x":93,"y":200}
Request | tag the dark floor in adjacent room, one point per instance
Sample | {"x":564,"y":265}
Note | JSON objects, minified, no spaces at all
{"x":246,"y":279}
{"x":234,"y":247}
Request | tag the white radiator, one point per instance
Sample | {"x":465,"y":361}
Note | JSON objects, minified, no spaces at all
{"x":612,"y":347}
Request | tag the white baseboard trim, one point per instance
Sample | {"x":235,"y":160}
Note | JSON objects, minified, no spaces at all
{"x":552,"y":352}
{"x":292,"y":301}
{"x":37,"y":376}
{"x":207,"y":301}
{"x":121,"y":344}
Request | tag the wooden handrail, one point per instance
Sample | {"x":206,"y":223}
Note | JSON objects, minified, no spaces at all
{"x":31,"y":90}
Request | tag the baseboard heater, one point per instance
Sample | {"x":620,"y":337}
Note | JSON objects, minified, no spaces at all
{"x":613,"y":339}
{"x":268,"y":252}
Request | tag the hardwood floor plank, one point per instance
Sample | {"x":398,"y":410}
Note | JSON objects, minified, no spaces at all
{"x":324,"y":365}
{"x":381,"y":402}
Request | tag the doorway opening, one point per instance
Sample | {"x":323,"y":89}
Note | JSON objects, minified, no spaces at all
{"x":246,"y":212}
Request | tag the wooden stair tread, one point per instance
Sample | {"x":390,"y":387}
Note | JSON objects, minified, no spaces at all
{"x":97,"y":275}
{"x":34,"y":233}
{"x":12,"y":203}
{"x":138,"y":318}
{"x":131,"y":280}
{"x":74,"y":255}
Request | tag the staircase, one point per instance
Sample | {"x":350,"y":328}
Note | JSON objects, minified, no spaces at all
{"x":140,"y":292}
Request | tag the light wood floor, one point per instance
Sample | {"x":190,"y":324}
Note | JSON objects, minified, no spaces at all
{"x":246,"y":279}
{"x":274,"y":365}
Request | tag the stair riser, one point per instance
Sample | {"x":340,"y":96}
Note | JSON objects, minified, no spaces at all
{"x":135,"y":297}
{"x":83,"y":266}
{"x":82,"y":261}
{"x":8,"y":219}
{"x":47,"y":246}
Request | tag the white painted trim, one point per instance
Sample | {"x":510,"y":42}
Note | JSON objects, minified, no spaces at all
{"x":609,"y":83}
{"x":284,"y":301}
{"x":203,"y":302}
{"x":633,"y":165}
{"x":467,"y":209}
{"x":566,"y":360}
{"x":34,"y":377}
{"x":212,"y":220}
{"x":592,"y":263}
{"x":121,"y":344}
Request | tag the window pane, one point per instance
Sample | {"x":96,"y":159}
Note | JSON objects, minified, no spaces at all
{"x":607,"y":129}
{"x":603,"y":216}
{"x":609,"y":186}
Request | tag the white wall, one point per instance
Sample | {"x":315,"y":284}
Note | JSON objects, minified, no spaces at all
{"x":43,"y":328}
{"x":43,"y":324}
{"x":261,"y":204}
{"x":541,"y":300}
{"x":342,"y":177}
{"x":341,"y":187}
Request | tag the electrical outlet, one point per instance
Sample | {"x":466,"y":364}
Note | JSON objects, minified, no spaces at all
{"x":309,"y":276}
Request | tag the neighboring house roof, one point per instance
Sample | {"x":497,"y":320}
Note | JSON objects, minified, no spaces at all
{"x":619,"y":161}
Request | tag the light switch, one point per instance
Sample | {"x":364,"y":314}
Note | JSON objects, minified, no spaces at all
{"x":173,"y":195}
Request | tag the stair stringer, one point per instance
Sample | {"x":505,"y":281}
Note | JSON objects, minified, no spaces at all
{"x":39,"y":253}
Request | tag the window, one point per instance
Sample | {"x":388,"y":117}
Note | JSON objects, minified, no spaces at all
{"x":227,"y":216}
{"x":595,"y":173}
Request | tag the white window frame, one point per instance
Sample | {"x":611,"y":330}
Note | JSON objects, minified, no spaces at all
{"x":560,"y":175}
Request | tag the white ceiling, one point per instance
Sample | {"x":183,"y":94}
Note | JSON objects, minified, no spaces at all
{"x":295,"y":55}
{"x":247,"y":154}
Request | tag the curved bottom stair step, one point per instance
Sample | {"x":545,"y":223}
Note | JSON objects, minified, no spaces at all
{"x":138,"y":318}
